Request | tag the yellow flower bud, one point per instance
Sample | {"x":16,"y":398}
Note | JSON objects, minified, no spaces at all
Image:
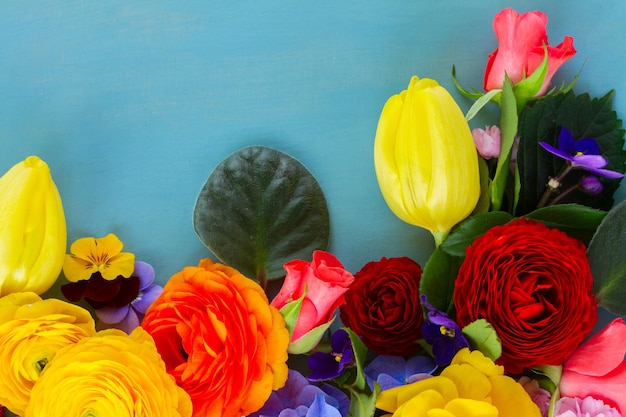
{"x":425,"y":158}
{"x":33,"y":235}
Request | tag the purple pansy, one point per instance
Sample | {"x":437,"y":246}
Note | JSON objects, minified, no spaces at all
{"x":442,"y":333}
{"x":393,"y":371}
{"x":325,"y":366}
{"x":128,"y":316}
{"x":299,"y":398}
{"x":583,"y":153}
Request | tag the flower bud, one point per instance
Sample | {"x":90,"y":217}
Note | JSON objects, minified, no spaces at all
{"x":32,"y":228}
{"x":425,"y":158}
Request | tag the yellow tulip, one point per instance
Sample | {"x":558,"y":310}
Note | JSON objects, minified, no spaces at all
{"x":425,"y":158}
{"x":33,"y":235}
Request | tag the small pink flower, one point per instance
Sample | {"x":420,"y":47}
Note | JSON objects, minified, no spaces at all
{"x":597,"y":368}
{"x":487,"y":141}
{"x":325,"y":281}
{"x":521,"y":39}
{"x":584,"y":407}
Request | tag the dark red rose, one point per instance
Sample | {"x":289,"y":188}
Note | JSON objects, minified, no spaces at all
{"x":383,"y":306}
{"x":534,"y":285}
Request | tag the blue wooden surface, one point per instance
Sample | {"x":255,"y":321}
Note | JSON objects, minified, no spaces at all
{"x":133,"y":104}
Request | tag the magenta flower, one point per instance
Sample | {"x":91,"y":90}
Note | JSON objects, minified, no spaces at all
{"x":582,"y":153}
{"x":128,"y":316}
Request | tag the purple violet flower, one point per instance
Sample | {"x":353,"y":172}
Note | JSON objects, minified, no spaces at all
{"x":583,"y":153}
{"x":325,"y":366}
{"x":393,"y":371}
{"x":128,"y":316}
{"x":442,"y":333}
{"x":299,"y":398}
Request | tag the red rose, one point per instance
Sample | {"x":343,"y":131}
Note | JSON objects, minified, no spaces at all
{"x":534,"y":285}
{"x":383,"y":306}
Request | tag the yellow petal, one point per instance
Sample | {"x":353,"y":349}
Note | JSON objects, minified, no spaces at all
{"x":425,"y":158}
{"x":469,"y":381}
{"x":471,"y":408}
{"x":122,"y":264}
{"x":511,"y":399}
{"x":390,"y":400}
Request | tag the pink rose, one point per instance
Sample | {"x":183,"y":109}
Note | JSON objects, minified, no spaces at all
{"x":597,"y":368}
{"x":325,"y":281}
{"x":520,"y":49}
{"x":487,"y":141}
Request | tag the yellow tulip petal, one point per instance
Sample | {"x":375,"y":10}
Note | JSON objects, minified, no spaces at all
{"x":425,"y":158}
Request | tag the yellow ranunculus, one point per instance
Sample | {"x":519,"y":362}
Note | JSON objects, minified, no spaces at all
{"x":471,"y":386}
{"x":109,"y":374}
{"x":425,"y":158}
{"x":32,"y":331}
{"x":33,"y":236}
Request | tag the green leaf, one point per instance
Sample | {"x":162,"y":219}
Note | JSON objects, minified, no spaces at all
{"x":437,"y":281}
{"x":291,"y":312}
{"x":583,"y":117}
{"x":259,"y":209}
{"x":607,"y":259}
{"x":480,"y":103}
{"x":483,"y":337}
{"x":360,"y":354}
{"x":578,"y":221}
{"x":363,"y":404}
{"x":474,"y":95}
{"x":465,"y":233}
{"x":508,"y":130}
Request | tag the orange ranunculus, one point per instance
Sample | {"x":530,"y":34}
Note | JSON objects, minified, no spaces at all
{"x":109,"y":374}
{"x":220,"y":338}
{"x":32,"y":331}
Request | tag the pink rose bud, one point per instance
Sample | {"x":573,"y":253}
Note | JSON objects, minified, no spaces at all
{"x":487,"y":141}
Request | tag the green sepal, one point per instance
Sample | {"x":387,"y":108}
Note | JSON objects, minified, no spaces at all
{"x":309,"y":340}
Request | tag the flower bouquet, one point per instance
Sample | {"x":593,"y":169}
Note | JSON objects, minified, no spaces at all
{"x":499,"y":321}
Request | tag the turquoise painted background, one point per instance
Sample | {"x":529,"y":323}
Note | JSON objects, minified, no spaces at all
{"x":133,"y":104}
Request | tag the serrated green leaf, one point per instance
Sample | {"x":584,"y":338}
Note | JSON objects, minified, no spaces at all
{"x":465,"y":233}
{"x":482,"y":336}
{"x":607,"y":259}
{"x":583,"y":117}
{"x":437,"y":281}
{"x":259,"y":209}
{"x":578,"y":221}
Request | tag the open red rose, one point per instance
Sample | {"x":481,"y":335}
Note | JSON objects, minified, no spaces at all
{"x":383,"y":306}
{"x":521,"y":39}
{"x":220,"y":338}
{"x":534,"y":285}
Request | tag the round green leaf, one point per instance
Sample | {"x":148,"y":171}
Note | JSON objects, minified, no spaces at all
{"x":259,"y":209}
